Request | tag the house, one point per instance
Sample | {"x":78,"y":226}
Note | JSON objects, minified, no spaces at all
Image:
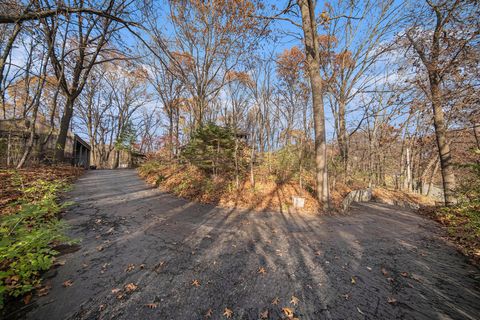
{"x":14,"y":136}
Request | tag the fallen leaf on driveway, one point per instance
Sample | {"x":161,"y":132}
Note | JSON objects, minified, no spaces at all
{"x":360,"y":311}
{"x":196,"y":283}
{"x":43,"y":291}
{"x":131,"y":287}
{"x":151,"y":305}
{"x":391,"y":300}
{"x":416,"y":277}
{"x":288,"y":312}
{"x":209,"y":313}
{"x":101,"y":307}
{"x":384,"y":271}
{"x":68,"y":283}
{"x":276,"y":301}
{"x":99,"y":248}
{"x":27,"y":299}
{"x":262,"y":270}
{"x":60,"y":262}
{"x":130,"y":267}
{"x":115,"y":291}
{"x":353,"y":281}
{"x":159,"y":266}
{"x":264,"y":314}
{"x":227,"y":313}
{"x":294,"y":300}
{"x":404,"y":274}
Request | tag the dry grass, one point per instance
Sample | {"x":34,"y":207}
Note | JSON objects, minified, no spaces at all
{"x":397,"y":196}
{"x":191,"y":183}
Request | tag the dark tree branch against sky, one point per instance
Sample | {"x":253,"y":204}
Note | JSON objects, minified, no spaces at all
{"x":254,"y":119}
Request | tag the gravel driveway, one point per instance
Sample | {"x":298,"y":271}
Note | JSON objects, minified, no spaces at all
{"x":145,"y":254}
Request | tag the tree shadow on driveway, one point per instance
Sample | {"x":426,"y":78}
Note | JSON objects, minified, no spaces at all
{"x":379,"y":262}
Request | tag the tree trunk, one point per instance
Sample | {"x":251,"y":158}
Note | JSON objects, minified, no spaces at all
{"x":342,"y":136}
{"x":408,"y":168}
{"x":177,"y":132}
{"x":62,"y":135}
{"x":116,"y":163}
{"x":307,"y":8}
{"x":31,"y":139}
{"x":476,"y":133}
{"x":446,"y":162}
{"x":3,"y":59}
{"x":9,"y":147}
{"x":430,"y":181}
{"x":170,"y":135}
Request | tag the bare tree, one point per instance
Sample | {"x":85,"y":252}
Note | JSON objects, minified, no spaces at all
{"x":210,"y":39}
{"x":312,"y":50}
{"x":76,"y":45}
{"x":352,"y":44}
{"x":168,"y":86}
{"x":441,"y":35}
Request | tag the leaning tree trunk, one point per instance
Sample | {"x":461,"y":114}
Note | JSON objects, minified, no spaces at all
{"x":31,"y":139}
{"x":3,"y":59}
{"x":446,"y":161}
{"x":307,"y":8}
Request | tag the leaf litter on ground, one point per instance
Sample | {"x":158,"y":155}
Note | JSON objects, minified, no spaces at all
{"x":227,"y":313}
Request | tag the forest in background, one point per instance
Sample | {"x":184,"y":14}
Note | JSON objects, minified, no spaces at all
{"x":242,"y":103}
{"x":362,"y":93}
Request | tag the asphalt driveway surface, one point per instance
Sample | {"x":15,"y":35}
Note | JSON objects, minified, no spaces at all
{"x":145,"y":254}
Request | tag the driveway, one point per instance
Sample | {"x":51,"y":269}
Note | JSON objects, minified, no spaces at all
{"x":145,"y":254}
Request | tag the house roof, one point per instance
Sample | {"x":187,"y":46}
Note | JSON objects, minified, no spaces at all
{"x":82,"y":142}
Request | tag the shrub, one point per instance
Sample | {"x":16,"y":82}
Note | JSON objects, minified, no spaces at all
{"x":27,"y":237}
{"x":463,"y":220}
{"x":213,"y":149}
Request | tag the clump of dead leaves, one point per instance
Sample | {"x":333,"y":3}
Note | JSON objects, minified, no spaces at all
{"x":127,"y":289}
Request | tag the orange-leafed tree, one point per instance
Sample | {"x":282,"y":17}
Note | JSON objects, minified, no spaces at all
{"x":212,"y":38}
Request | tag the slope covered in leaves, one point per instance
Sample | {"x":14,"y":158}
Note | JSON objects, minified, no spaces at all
{"x":189,"y":182}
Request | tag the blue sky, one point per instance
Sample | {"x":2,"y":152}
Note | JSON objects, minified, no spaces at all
{"x":285,"y":35}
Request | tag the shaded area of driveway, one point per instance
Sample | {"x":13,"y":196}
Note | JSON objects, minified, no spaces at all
{"x":379,"y":262}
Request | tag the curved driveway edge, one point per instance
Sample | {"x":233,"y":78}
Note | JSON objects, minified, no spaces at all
{"x":149,"y":255}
